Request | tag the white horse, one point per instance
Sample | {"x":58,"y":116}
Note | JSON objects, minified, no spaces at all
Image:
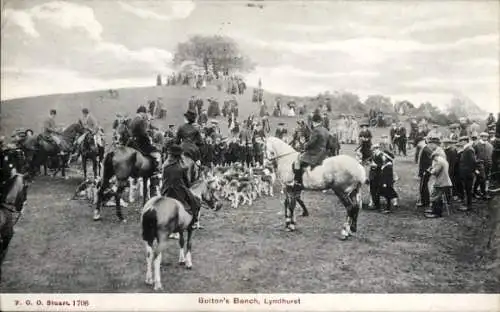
{"x":343,"y":174}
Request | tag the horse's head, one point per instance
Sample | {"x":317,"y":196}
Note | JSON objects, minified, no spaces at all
{"x":13,"y":185}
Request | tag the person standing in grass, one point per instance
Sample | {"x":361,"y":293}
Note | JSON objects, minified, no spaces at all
{"x":442,"y":185}
{"x":467,"y":165}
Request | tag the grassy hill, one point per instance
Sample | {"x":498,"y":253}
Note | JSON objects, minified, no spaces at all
{"x":30,"y":112}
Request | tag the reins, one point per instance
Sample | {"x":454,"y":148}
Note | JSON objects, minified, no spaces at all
{"x":282,"y":155}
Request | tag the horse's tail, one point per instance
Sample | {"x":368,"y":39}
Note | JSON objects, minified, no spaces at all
{"x":107,"y":169}
{"x":149,"y":226}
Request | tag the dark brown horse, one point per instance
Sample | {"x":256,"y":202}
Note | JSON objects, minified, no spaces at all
{"x":123,"y":163}
{"x":53,"y":154}
{"x":92,"y":150}
{"x":13,"y":193}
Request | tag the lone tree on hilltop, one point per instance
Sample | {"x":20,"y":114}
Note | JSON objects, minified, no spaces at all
{"x":379,"y":102}
{"x":213,"y":53}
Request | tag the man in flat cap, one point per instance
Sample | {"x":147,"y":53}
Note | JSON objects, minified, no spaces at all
{"x":484,"y":157}
{"x":467,"y":167}
{"x":442,"y":185}
{"x":424,"y":163}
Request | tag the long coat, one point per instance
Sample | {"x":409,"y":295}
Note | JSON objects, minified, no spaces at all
{"x":316,"y":148}
{"x":176,"y":185}
{"x":190,"y":140}
{"x":424,"y":161}
{"x":440,"y":169}
{"x":467,"y":162}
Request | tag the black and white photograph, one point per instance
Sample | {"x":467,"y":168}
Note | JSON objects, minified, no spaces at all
{"x":248,"y":147}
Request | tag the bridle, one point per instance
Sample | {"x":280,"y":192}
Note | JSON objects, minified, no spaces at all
{"x":13,"y":208}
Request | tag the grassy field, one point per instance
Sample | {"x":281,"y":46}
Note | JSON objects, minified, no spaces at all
{"x":58,"y":248}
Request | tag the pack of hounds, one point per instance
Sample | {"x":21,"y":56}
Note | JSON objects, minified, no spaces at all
{"x":237,"y":183}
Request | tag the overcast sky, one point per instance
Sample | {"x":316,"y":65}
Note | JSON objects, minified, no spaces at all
{"x":417,"y":51}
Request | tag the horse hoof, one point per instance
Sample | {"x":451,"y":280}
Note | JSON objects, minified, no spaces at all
{"x":97,"y":218}
{"x":158,"y":287}
{"x":182,"y":263}
{"x":149,"y":281}
{"x":305,"y":214}
{"x":189,"y":267}
{"x":343,"y":237}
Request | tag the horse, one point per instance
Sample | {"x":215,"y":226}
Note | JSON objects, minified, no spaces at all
{"x":13,"y":194}
{"x":162,"y":216}
{"x":123,"y":162}
{"x":91,"y":150}
{"x":57,"y":155}
{"x":343,"y":174}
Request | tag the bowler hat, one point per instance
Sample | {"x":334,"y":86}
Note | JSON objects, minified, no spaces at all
{"x":419,"y":138}
{"x":435,"y":140}
{"x":463,"y":138}
{"x":190,"y":115}
{"x":317,"y":117}
{"x":175,"y":150}
{"x":141,"y":109}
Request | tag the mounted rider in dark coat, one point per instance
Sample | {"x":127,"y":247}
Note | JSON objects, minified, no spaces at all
{"x":315,"y":150}
{"x":189,"y":137}
{"x":176,"y":183}
{"x":140,"y":139}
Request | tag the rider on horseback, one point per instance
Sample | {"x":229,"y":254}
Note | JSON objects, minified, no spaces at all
{"x":315,"y":150}
{"x":189,"y":137}
{"x":49,"y":129}
{"x":139,"y":138}
{"x":176,"y":182}
{"x":89,"y":124}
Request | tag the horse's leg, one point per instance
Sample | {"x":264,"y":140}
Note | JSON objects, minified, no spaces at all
{"x":144,"y":190}
{"x":162,"y":244}
{"x":293,"y":204}
{"x":182,"y":259}
{"x":84,"y":166}
{"x":189,"y":261}
{"x":132,"y":190}
{"x":305,"y":212}
{"x":357,"y":200}
{"x":149,"y":263}
{"x":63,"y":165}
{"x":346,"y":201}
{"x":94,"y":166}
{"x":118,"y":197}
